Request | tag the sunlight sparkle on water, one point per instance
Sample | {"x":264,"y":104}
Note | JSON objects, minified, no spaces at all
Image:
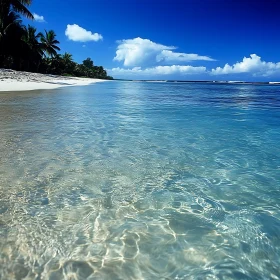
{"x":124,"y":180}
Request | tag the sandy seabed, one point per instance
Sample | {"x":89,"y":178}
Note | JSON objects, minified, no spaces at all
{"x":11,"y":80}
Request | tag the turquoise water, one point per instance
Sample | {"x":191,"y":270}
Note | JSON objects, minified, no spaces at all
{"x":126,"y":180}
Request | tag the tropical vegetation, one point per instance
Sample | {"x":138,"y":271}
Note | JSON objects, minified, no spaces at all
{"x":24,"y":48}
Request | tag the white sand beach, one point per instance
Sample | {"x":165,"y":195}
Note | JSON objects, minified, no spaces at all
{"x":11,"y":80}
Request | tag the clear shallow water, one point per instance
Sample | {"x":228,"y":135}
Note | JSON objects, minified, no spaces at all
{"x":124,"y":180}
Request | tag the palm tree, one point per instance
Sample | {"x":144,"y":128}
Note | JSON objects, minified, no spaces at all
{"x":7,"y":21}
{"x":33,"y":46}
{"x":9,"y":16}
{"x":67,"y":58}
{"x":18,"y":6}
{"x":69,"y":64}
{"x":32,"y":39}
{"x":55,"y":64}
{"x":11,"y":30}
{"x":49,"y":43}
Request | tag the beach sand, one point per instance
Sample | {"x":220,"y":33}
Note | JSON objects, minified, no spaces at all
{"x":11,"y":80}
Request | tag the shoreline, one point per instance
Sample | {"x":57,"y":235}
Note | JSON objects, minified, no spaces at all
{"x":11,"y":80}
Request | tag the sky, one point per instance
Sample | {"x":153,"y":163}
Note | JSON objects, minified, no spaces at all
{"x":169,"y":39}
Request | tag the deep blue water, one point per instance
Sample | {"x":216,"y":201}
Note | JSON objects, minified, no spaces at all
{"x":138,"y":180}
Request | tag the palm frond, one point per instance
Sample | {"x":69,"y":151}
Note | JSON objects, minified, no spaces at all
{"x":20,"y":7}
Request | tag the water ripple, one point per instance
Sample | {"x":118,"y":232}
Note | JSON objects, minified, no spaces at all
{"x":140,"y":181}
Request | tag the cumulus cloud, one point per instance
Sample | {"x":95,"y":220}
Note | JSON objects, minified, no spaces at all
{"x":38,"y":18}
{"x":78,"y":34}
{"x":134,"y":52}
{"x":252,"y":65}
{"x":159,"y":70}
{"x":144,"y":59}
{"x":139,"y":52}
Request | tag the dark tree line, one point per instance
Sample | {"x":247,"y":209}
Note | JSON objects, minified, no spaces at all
{"x":24,"y":48}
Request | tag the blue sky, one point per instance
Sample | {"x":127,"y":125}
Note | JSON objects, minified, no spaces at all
{"x":169,"y":39}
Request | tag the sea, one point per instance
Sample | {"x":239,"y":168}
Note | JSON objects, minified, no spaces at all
{"x":140,"y":180}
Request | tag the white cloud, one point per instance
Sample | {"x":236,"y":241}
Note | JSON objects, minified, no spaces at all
{"x":137,"y":57}
{"x":134,"y":52}
{"x":139,"y":52}
{"x":158,"y":71}
{"x":78,"y":34}
{"x":168,"y":56}
{"x":252,"y":65}
{"x":38,"y":18}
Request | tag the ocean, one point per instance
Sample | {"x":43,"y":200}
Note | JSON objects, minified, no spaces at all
{"x":140,"y":180}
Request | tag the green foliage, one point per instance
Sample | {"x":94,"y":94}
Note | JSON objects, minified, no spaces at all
{"x":23,"y":48}
{"x":49,"y":43}
{"x":88,"y":63}
{"x":18,"y":6}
